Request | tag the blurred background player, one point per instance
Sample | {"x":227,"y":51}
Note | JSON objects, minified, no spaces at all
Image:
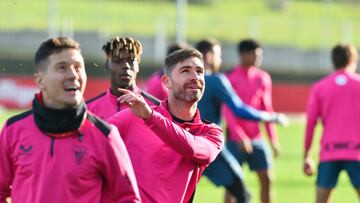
{"x":245,"y":140}
{"x":58,"y":151}
{"x":123,"y":55}
{"x":225,"y":170}
{"x":335,"y":100}
{"x":170,"y":145}
{"x":154,"y":86}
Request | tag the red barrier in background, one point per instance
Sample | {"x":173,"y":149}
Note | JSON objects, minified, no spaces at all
{"x":18,"y":92}
{"x":290,"y":97}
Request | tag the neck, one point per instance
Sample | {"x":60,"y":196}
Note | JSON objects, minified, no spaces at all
{"x":209,"y":71}
{"x":114,"y":90}
{"x":180,"y":109}
{"x":351,"y":68}
{"x":246,"y":66}
{"x":58,"y":120}
{"x":208,"y":68}
{"x":348,"y":69}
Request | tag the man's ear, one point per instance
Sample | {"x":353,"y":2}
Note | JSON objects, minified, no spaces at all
{"x":106,"y":64}
{"x":209,"y":58}
{"x":38,"y":77}
{"x":165,"y":79}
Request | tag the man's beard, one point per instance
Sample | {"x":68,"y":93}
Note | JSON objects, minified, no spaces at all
{"x":185,"y":94}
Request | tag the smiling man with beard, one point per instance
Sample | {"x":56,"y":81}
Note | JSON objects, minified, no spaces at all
{"x":170,"y":145}
{"x":123,"y":56}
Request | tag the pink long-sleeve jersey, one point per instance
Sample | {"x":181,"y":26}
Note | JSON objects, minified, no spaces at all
{"x":254,"y":87}
{"x":168,"y":158}
{"x":335,"y":100}
{"x":35,"y":167}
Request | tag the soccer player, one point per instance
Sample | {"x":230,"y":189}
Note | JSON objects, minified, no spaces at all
{"x":335,"y":101}
{"x":123,"y":55}
{"x":245,"y":140}
{"x":154,"y":86}
{"x":225,"y":169}
{"x":170,"y":145}
{"x":58,"y":151}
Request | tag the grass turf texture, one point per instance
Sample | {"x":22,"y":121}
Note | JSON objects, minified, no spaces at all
{"x":290,"y":183}
{"x":304,"y":24}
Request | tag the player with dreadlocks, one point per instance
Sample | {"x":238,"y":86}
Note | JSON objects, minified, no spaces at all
{"x":123,"y":55}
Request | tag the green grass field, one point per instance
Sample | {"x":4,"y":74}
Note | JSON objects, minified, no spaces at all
{"x":291,"y":186}
{"x":304,"y":24}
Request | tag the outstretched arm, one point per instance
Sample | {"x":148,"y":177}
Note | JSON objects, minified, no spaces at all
{"x":228,"y":95}
{"x":202,"y":148}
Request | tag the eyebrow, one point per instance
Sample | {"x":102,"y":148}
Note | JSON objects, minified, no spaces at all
{"x":61,"y":63}
{"x":184,"y":67}
{"x":66,"y":63}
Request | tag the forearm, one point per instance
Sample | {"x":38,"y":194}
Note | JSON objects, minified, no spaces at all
{"x":309,"y":134}
{"x":200,"y":148}
{"x":271,"y":131}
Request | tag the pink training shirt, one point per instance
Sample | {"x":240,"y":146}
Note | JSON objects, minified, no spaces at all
{"x":254,"y":87}
{"x":155,"y":87}
{"x":335,"y":100}
{"x":168,"y":158}
{"x":96,"y":168}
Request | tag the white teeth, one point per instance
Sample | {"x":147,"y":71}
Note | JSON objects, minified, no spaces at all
{"x":73,"y":87}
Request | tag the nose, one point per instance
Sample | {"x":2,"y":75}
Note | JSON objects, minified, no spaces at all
{"x":73,"y":73}
{"x":126,"y":65}
{"x":195,"y":75}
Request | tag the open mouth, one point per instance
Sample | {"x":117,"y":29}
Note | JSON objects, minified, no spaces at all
{"x":72,"y":89}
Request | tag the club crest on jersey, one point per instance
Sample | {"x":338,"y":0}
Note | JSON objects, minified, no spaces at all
{"x":341,"y":80}
{"x":79,"y":154}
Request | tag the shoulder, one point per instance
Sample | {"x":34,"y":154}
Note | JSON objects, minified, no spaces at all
{"x":263,"y":74}
{"x":18,"y":117}
{"x":323,"y":83}
{"x":212,"y":129}
{"x":151,"y":98}
{"x":100,"y":124}
{"x":92,"y":100}
{"x":210,"y":125}
{"x":205,"y":121}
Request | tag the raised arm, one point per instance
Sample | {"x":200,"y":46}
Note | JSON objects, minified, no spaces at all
{"x":202,"y":148}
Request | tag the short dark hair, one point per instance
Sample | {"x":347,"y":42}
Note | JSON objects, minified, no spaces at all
{"x":206,"y":45}
{"x":128,"y":44}
{"x":247,"y":45}
{"x":342,"y":55}
{"x":178,"y":56}
{"x":176,"y":46}
{"x":51,"y":46}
